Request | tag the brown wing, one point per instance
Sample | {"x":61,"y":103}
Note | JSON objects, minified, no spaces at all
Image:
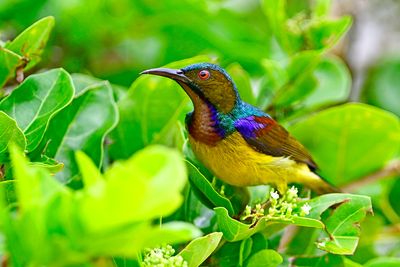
{"x":265,"y":135}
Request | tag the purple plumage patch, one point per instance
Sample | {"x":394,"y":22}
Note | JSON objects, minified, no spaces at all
{"x":214,"y":118}
{"x":249,"y":126}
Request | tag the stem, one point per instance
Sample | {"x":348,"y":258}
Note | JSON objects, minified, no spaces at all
{"x":391,"y":169}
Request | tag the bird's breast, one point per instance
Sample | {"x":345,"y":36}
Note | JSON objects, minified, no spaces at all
{"x":235,"y":162}
{"x":203,"y":125}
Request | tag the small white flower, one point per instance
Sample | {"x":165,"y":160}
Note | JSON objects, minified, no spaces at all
{"x":293,"y":191}
{"x":306,"y":209}
{"x":274,"y":194}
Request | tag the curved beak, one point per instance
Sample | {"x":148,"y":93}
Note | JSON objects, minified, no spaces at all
{"x":174,"y":74}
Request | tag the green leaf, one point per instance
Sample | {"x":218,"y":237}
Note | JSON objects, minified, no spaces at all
{"x":275,"y":11}
{"x":274,"y":78}
{"x":52,"y":165}
{"x":33,"y":103}
{"x":381,"y":88}
{"x":243,"y":83}
{"x":328,"y":260}
{"x":206,"y":191}
{"x":82,"y":125}
{"x":307,"y":238}
{"x":265,"y":258}
{"x":35,"y":185}
{"x":301,"y":81}
{"x":227,"y":255}
{"x":9,"y":133}
{"x":91,"y":176}
{"x":349,"y":141}
{"x":198,"y":250}
{"x":9,"y":62}
{"x":334,"y":83}
{"x":234,"y":230}
{"x":323,"y":33}
{"x":245,"y":250}
{"x":349,"y":263}
{"x":7,"y":189}
{"x":31,"y":42}
{"x":155,"y":167}
{"x":342,"y":224}
{"x":74,"y":227}
{"x":83,"y":82}
{"x":169,"y":233}
{"x":322,"y":8}
{"x":383,"y":262}
{"x":149,"y":111}
{"x":211,"y":191}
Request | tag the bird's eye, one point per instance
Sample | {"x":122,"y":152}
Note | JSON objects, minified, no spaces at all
{"x":204,"y":74}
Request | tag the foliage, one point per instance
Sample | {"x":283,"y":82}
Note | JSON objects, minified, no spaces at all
{"x":86,"y":175}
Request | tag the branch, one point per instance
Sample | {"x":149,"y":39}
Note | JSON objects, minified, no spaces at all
{"x":391,"y":169}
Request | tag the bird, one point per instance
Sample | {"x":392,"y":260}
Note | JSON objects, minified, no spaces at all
{"x":239,"y":143}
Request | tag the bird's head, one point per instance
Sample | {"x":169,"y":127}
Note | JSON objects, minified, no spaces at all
{"x":204,"y":82}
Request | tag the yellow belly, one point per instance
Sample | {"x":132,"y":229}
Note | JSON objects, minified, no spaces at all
{"x":235,"y":162}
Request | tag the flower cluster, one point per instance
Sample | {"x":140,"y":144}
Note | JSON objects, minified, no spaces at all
{"x":286,"y":206}
{"x":280,"y":207}
{"x":254,"y":215}
{"x":163,"y":257}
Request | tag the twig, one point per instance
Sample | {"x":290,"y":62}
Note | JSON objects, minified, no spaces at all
{"x":287,"y":237}
{"x":2,"y":172}
{"x":391,"y":169}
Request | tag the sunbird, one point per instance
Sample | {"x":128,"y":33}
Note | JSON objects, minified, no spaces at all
{"x":237,"y":142}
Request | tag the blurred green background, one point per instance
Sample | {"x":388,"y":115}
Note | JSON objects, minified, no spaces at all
{"x":115,"y":40}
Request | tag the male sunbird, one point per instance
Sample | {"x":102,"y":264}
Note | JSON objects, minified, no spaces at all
{"x":237,"y":142}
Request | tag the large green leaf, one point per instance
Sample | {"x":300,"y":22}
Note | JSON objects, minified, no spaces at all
{"x":31,"y":42}
{"x":111,"y":216}
{"x":334,"y":83}
{"x":83,"y":81}
{"x":381,"y":87}
{"x":199,"y":249}
{"x":342,"y":225}
{"x":10,"y":133}
{"x":349,"y":141}
{"x":82,"y":125}
{"x":228,"y":255}
{"x":265,"y":258}
{"x":36,"y":101}
{"x":108,"y":199}
{"x":383,"y":262}
{"x":327,"y":260}
{"x":234,"y":230}
{"x":301,"y":80}
{"x":149,"y":111}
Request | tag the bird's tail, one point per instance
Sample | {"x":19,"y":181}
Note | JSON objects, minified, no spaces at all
{"x":319,"y":185}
